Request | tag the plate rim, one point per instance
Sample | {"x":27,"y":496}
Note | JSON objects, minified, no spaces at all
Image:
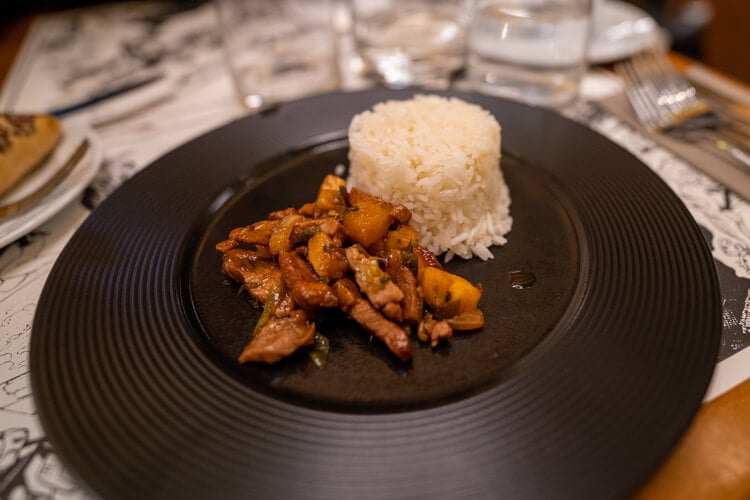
{"x":482,"y":399}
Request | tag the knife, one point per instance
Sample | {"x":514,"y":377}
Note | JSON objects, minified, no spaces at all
{"x":105,"y":95}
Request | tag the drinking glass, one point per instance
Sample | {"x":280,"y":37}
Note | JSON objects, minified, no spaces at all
{"x":412,"y":42}
{"x":278,"y":49}
{"x":529,"y":50}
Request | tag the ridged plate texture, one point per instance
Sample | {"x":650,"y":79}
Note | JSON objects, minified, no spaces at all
{"x":139,"y":397}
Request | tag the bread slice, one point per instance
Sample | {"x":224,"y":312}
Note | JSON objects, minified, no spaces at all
{"x":25,"y":142}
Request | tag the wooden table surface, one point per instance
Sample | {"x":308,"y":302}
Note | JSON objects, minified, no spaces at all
{"x":712,"y":461}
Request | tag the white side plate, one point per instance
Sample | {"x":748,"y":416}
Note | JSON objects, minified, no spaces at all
{"x":18,"y":225}
{"x":619,"y":30}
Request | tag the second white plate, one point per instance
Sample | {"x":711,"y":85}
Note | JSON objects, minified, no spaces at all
{"x":18,"y":225}
{"x":620,"y":30}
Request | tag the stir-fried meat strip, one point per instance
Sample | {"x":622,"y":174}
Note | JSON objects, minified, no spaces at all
{"x":412,"y":305}
{"x":285,"y":306}
{"x":393,"y":312}
{"x":280,"y":214}
{"x":279,"y":338}
{"x":263,"y":252}
{"x":399,"y":212}
{"x":332,"y":228}
{"x":394,"y":337}
{"x":350,"y":250}
{"x":254,"y":234}
{"x":372,"y":280}
{"x":259,"y":276}
{"x":279,"y":301}
{"x":347,"y":293}
{"x":434,"y":331}
{"x":225,"y":245}
{"x":307,"y":291}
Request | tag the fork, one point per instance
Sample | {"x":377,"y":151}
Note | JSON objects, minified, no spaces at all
{"x":665,"y":101}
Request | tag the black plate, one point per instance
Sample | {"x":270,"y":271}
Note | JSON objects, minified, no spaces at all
{"x":577,"y":387}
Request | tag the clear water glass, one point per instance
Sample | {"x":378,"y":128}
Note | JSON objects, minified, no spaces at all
{"x":278,"y":50}
{"x":529,"y":50}
{"x":412,"y":42}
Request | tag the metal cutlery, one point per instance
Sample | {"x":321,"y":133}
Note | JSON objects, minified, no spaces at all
{"x":106,"y":94}
{"x":666,"y":102}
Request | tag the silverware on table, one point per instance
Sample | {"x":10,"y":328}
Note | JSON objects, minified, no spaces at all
{"x":46,"y":188}
{"x":665,"y":101}
{"x":106,"y":94}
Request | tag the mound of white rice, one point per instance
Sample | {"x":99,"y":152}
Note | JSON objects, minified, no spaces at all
{"x":440,"y":158}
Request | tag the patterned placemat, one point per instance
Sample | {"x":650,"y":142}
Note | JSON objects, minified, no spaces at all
{"x":179,"y":46}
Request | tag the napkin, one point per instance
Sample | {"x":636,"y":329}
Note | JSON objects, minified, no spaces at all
{"x":734,"y":176}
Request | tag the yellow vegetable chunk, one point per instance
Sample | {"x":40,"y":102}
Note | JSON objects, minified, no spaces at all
{"x":368,"y":222}
{"x":425,"y":259}
{"x":401,"y":238}
{"x":447,"y":294}
{"x":331,"y":194}
{"x":327,"y":260}
{"x":279,"y":241}
{"x":467,"y":321}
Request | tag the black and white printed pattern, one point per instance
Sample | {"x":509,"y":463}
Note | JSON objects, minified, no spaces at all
{"x":125,"y":41}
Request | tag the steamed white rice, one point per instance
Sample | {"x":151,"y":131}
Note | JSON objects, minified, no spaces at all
{"x":440,"y":158}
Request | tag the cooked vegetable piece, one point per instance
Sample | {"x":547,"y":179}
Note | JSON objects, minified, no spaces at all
{"x":391,"y":262}
{"x":280,"y":237}
{"x":447,"y":293}
{"x":470,"y":320}
{"x":306,"y":229}
{"x":368,"y":222}
{"x":326,"y":258}
{"x":302,"y":232}
{"x":401,"y":238}
{"x":275,"y":293}
{"x":410,"y":260}
{"x":349,"y":250}
{"x":425,"y":259}
{"x":399,"y":212}
{"x":319,"y":353}
{"x":331,"y":195}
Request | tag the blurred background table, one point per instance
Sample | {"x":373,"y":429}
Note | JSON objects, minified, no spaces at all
{"x":713,"y":458}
